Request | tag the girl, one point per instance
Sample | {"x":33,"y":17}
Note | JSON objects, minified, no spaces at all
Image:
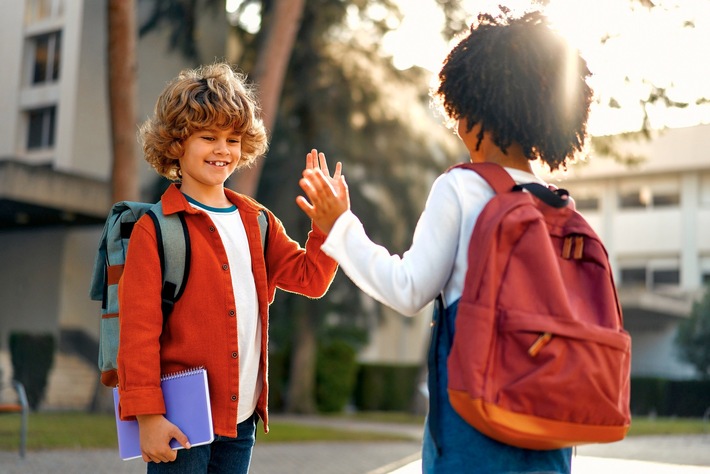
{"x":515,"y":92}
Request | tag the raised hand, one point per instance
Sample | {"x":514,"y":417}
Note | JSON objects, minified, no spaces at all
{"x":315,"y":161}
{"x":328,"y":197}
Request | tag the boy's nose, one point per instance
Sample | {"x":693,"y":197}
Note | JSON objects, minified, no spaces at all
{"x":221,"y":148}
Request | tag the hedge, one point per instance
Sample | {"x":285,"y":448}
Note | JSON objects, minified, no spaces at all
{"x":684,"y":398}
{"x":32,"y":358}
{"x":385,"y":387}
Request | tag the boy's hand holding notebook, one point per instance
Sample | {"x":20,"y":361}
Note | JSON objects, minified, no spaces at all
{"x":187,"y":405}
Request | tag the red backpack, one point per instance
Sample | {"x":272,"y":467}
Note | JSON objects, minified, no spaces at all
{"x":539,"y":358}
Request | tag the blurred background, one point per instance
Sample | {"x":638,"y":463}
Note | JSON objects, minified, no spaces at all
{"x":351,"y":78}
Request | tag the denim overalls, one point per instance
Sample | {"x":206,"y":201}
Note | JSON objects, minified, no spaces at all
{"x":451,"y":445}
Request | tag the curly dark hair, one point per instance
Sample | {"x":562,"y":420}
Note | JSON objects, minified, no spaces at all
{"x":213,"y":95}
{"x":523,"y":83}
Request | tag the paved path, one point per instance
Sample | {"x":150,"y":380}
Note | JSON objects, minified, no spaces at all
{"x":648,"y":455}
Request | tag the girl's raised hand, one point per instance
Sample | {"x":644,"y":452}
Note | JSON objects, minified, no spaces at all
{"x":315,"y":161}
{"x":328,"y":197}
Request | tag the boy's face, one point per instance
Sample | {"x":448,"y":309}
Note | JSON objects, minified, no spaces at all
{"x":210,"y":157}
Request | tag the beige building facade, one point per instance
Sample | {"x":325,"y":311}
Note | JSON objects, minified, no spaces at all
{"x":55,"y":159}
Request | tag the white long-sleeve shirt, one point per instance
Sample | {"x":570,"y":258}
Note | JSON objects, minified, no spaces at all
{"x":438,"y":258}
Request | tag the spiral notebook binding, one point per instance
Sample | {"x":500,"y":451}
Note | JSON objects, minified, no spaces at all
{"x":182,"y":373}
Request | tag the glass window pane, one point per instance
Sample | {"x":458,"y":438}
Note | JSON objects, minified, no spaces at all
{"x":634,"y":276}
{"x":41,"y":128}
{"x":56,"y":56}
{"x":34,"y":136}
{"x":587,"y":203}
{"x":666,"y":277}
{"x":665,"y":200}
{"x":39,"y":73}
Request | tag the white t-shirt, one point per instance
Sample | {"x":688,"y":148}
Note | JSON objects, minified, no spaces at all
{"x":436,"y":262}
{"x":234,"y":238}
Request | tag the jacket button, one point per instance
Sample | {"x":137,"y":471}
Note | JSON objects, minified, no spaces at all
{"x":212,"y":229}
{"x":225,"y":267}
{"x":231,"y":312}
{"x":234,"y":398}
{"x":234,"y":355}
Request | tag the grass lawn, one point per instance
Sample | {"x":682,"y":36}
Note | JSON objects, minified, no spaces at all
{"x":86,"y":431}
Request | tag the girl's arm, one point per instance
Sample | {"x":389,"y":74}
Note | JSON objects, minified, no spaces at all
{"x":406,"y":283}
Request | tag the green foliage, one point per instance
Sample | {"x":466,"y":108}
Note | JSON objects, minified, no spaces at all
{"x":647,"y":395}
{"x":32,"y":357}
{"x":693,"y":339}
{"x":383,"y":387}
{"x":336,"y":369}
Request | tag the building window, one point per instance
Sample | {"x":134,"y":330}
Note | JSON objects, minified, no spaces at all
{"x":41,"y":127}
{"x":586,"y":203}
{"x":38,"y":10}
{"x":657,"y":194}
{"x":665,"y":199}
{"x":665,"y":278}
{"x":633,"y":276}
{"x":631,"y":200}
{"x":47,"y":56}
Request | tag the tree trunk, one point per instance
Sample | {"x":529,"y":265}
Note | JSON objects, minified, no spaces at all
{"x":302,"y":373}
{"x":122,"y":36}
{"x":269,"y":72}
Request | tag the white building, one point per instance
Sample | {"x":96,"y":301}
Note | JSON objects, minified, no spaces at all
{"x":55,"y":160}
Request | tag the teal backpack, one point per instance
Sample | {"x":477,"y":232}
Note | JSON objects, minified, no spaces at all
{"x":173,"y":251}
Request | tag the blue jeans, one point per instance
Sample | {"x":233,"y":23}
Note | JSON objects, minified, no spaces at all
{"x":223,"y":455}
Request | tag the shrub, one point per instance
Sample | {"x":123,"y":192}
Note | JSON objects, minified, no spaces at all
{"x":336,"y":369}
{"x":382,"y":387}
{"x":32,"y":357}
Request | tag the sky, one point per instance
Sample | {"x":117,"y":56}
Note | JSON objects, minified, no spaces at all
{"x":643,"y":46}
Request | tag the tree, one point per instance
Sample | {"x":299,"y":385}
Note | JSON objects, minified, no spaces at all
{"x":122,"y":98}
{"x":693,"y":338}
{"x":342,"y":96}
{"x":269,"y":72}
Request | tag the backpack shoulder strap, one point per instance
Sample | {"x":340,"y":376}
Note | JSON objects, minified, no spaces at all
{"x":496,"y":177}
{"x":263,"y":227}
{"x":171,"y":234}
{"x":501,"y":182}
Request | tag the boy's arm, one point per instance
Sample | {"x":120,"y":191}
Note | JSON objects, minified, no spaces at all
{"x":141,"y":323}
{"x":292,"y":268}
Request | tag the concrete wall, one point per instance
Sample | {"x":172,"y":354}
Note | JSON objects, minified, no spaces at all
{"x":29,"y":292}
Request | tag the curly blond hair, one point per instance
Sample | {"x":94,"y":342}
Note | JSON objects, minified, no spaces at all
{"x":211,"y":96}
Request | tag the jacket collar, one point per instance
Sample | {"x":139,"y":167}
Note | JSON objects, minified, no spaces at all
{"x":174,"y":201}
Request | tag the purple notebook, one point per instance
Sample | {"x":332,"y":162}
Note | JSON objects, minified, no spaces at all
{"x":187,"y":405}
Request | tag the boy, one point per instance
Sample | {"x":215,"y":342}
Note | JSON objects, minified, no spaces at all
{"x":205,"y":126}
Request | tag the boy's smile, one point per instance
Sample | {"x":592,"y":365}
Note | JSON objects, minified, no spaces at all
{"x":209,"y":158}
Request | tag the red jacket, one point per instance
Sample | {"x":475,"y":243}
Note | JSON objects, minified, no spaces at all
{"x":202,"y":331}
